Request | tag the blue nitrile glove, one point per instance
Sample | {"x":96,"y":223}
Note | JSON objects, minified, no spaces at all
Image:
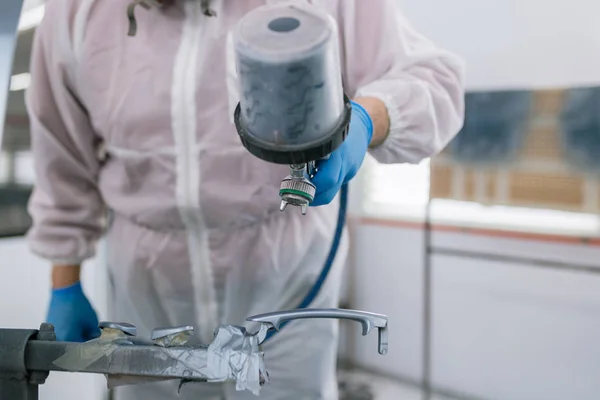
{"x":72,"y":315}
{"x":344,"y":162}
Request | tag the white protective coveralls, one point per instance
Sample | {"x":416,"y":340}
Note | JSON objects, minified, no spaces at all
{"x":142,"y":126}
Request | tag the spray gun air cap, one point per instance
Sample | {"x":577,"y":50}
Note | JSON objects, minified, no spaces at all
{"x":292,"y":106}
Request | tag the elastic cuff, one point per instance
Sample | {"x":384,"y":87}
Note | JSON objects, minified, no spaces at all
{"x":62,"y":261}
{"x":394,"y":115}
{"x":66,"y":261}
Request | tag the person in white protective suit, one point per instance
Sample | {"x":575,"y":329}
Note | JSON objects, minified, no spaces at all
{"x":142,"y":126}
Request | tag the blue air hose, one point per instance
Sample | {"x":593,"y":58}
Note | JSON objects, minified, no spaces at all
{"x":339,"y":230}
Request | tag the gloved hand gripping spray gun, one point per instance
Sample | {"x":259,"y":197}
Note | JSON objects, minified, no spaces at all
{"x":292,"y":107}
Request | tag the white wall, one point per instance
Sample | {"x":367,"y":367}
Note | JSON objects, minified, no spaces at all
{"x":513,"y":329}
{"x":387,"y":276}
{"x":515,"y":43}
{"x":509,"y":331}
{"x":24,"y":294}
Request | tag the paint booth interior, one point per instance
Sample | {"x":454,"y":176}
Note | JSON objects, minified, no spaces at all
{"x":485,"y":258}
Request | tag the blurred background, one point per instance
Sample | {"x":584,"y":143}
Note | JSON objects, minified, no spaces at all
{"x":486,"y":258}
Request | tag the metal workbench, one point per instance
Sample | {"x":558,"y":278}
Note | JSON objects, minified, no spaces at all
{"x":27,"y":356}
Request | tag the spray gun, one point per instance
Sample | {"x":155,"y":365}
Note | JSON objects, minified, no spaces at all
{"x":292,"y":107}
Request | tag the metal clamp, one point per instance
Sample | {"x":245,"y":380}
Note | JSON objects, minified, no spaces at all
{"x":126,"y":328}
{"x":368,"y":321}
{"x":45,"y":333}
{"x":159,"y":333}
{"x":175,"y":336}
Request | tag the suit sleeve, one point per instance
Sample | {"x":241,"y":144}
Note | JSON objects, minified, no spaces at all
{"x":421,"y":85}
{"x":66,"y":206}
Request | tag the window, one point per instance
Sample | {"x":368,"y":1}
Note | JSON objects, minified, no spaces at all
{"x":395,"y":190}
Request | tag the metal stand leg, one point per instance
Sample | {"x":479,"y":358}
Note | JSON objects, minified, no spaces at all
{"x":14,"y":389}
{"x":15,"y":382}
